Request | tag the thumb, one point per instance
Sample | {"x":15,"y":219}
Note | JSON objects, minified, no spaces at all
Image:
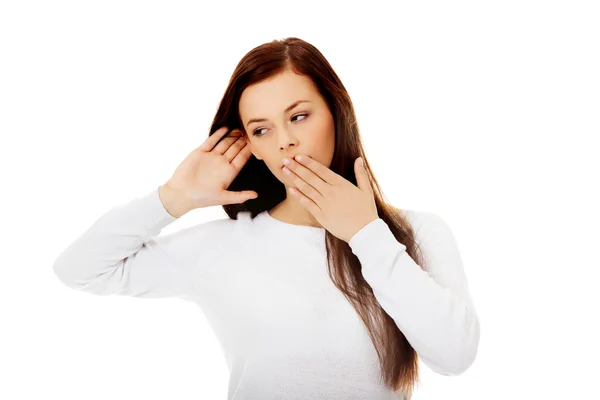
{"x":240,"y":197}
{"x":362,"y":178}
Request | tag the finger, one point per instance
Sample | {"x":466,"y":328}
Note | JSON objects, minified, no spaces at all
{"x":227,"y":141}
{"x":318,"y":169}
{"x":309,"y":176}
{"x":240,"y":197}
{"x":235,"y":148}
{"x":362,"y":177}
{"x":306,"y":187}
{"x":242,"y":157}
{"x":308,"y":203}
{"x":213,"y":139}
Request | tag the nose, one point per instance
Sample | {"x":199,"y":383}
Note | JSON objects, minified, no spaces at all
{"x":286,"y":140}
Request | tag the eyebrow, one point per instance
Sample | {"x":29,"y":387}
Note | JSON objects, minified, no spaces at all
{"x":294,"y":104}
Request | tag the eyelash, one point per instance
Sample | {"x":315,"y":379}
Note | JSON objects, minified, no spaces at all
{"x":258,"y":129}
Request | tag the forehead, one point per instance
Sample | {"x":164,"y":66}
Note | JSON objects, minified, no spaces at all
{"x":275,"y":94}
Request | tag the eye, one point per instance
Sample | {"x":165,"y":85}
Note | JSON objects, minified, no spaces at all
{"x":260,"y":129}
{"x":300,"y":115}
{"x":256,"y":134}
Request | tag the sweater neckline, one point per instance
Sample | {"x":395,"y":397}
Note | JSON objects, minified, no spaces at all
{"x":303,"y":230}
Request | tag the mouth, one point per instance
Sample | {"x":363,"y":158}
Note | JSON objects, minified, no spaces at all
{"x":290,"y":158}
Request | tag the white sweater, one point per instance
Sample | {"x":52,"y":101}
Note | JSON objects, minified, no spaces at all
{"x":286,"y":331}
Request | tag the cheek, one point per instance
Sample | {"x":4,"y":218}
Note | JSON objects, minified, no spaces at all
{"x":323,"y":123}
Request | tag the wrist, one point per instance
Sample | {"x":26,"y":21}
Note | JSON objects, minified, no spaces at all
{"x":173,"y":201}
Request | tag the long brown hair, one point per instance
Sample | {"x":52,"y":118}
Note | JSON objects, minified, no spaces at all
{"x":398,"y":360}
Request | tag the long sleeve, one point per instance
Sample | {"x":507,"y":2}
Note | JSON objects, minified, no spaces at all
{"x":432,"y":308}
{"x":121,"y":253}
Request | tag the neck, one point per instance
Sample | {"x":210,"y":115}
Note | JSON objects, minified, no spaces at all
{"x":292,"y":211}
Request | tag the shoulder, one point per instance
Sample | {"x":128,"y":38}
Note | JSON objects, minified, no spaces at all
{"x":414,"y":216}
{"x":424,"y":223}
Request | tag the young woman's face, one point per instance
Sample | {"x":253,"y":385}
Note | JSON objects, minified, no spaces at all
{"x":307,"y":128}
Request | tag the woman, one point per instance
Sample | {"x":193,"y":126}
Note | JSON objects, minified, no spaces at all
{"x":315,"y":287}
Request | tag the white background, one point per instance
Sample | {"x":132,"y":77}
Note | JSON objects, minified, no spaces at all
{"x":486,"y":113}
